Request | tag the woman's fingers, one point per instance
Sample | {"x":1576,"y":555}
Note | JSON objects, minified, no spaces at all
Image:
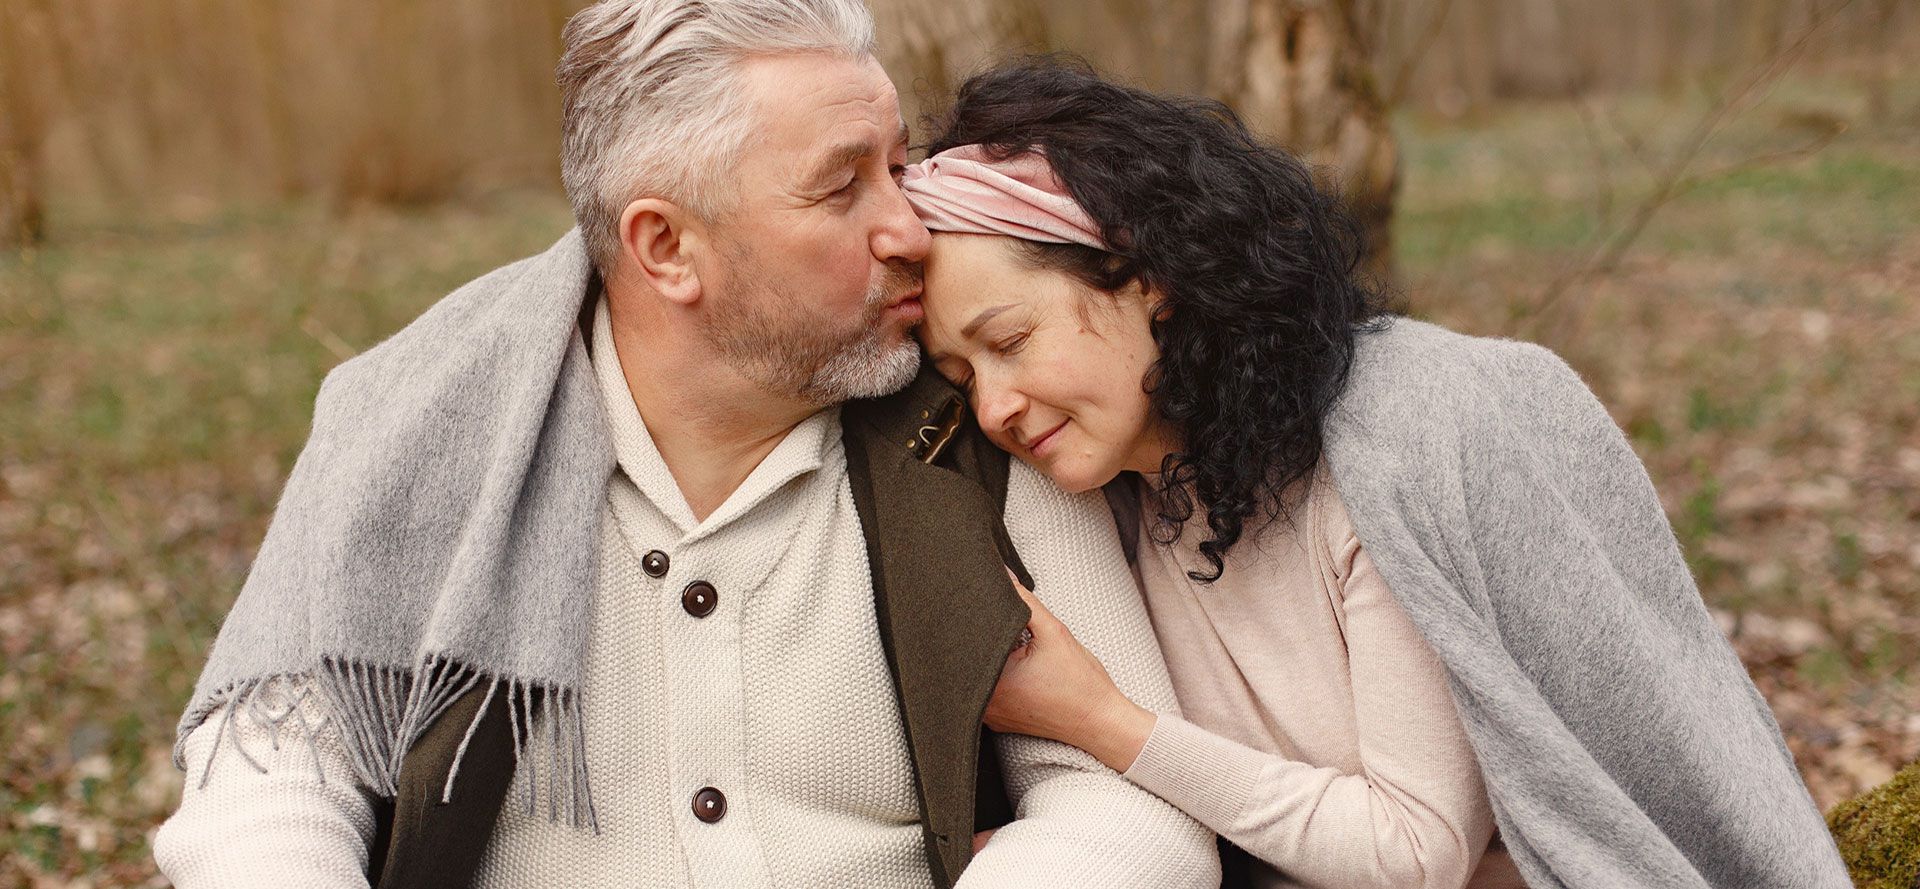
{"x":1041,"y":616}
{"x":1022,"y":649}
{"x":1032,"y":601}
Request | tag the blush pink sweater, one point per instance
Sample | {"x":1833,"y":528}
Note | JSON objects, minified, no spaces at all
{"x":1319,"y":733}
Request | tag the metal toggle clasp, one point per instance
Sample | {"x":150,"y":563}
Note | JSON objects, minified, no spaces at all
{"x":934,"y":436}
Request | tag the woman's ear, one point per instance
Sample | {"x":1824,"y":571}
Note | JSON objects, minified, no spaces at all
{"x":661,"y":241}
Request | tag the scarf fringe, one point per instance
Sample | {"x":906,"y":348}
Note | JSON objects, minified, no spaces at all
{"x":379,"y":712}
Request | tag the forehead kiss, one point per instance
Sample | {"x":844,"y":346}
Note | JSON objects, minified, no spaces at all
{"x":835,"y":148}
{"x":1052,"y":367}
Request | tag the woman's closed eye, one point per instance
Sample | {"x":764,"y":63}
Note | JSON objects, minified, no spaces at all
{"x":1008,"y":345}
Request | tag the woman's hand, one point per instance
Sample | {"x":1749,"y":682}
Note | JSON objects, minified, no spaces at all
{"x":1052,"y":687}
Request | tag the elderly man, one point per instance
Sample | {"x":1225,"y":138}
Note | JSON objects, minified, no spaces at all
{"x":587,"y":577}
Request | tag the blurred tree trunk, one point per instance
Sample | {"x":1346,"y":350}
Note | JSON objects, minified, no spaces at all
{"x":268,"y":33}
{"x":1533,"y":57}
{"x":1300,"y":73}
{"x":22,"y":131}
{"x":1766,"y":20}
{"x":929,"y":48}
{"x":1881,"y":69}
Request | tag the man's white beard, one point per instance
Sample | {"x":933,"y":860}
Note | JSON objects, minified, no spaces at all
{"x":867,"y":369}
{"x":767,"y":334}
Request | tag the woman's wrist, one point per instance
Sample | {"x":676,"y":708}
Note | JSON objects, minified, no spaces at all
{"x":1118,"y":732}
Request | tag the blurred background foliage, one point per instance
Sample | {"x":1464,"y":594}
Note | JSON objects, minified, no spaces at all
{"x":1710,"y":207}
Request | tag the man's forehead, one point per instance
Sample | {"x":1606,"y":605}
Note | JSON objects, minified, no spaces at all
{"x":818,"y":92}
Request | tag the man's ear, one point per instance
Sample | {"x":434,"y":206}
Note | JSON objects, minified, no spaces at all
{"x":660,"y":239}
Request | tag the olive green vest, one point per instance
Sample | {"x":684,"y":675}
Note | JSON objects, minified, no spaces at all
{"x":930,"y":491}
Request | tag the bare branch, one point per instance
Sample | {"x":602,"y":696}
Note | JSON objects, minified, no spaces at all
{"x":327,"y":339}
{"x":1606,"y":256}
{"x":1762,"y":160}
{"x":1403,"y":78}
{"x":1602,"y":168}
{"x":1636,"y":146}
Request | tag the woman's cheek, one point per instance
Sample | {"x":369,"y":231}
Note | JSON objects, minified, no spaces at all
{"x":1056,"y":378}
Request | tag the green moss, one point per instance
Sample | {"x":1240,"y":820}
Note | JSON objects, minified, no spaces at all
{"x":1879,"y":833}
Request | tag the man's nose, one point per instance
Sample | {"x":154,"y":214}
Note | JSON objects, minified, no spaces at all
{"x":901,"y":236}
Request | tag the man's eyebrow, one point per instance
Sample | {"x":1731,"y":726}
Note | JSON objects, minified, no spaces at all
{"x":836,"y":159}
{"x":982,"y":318}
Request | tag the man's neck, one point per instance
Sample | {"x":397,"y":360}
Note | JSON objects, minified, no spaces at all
{"x":711,"y":425}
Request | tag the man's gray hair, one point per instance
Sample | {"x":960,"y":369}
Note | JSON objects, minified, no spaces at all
{"x":653,"y":105}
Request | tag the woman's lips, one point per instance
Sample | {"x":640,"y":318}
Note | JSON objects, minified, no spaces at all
{"x":1045,"y":440}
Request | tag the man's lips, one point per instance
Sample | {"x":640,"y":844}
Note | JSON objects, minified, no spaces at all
{"x":1034,"y":446}
{"x":912,"y":294}
{"x":908,"y":306}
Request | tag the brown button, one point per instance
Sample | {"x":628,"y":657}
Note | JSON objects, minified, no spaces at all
{"x":654,"y":563}
{"x":700,"y":598}
{"x":709,"y":805}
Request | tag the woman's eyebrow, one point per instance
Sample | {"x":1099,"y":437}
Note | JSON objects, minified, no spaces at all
{"x":982,"y":318}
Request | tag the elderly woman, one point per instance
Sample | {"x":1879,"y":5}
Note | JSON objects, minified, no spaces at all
{"x":1426,"y":621}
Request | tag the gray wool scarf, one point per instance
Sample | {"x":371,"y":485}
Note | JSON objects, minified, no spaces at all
{"x":1622,"y":742}
{"x":438,"y":533}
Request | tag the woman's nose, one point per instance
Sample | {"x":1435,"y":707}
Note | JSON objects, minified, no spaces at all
{"x":997,"y":408}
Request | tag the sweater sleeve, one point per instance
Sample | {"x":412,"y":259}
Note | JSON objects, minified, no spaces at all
{"x":1077,"y":823}
{"x":281,"y":807}
{"x":1416,"y":815}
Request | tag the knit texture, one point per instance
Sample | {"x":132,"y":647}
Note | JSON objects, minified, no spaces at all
{"x":1621,"y":740}
{"x":1079,"y":823}
{"x":298,"y":799}
{"x":780,"y":697}
{"x":438,"y":530}
{"x":637,"y":830}
{"x":1319,"y":734}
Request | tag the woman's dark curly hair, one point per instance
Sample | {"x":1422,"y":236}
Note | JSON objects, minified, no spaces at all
{"x":1255,"y":268}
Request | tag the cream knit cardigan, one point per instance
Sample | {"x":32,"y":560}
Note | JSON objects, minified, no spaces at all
{"x":839,"y":811}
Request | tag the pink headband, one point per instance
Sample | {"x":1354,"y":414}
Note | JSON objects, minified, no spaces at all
{"x":964,"y":190}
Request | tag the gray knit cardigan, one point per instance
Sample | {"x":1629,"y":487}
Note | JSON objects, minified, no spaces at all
{"x":1622,"y":742}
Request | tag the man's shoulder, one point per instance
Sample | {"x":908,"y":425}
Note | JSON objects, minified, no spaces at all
{"x":901,"y":417}
{"x":929,"y":421}
{"x":477,"y":318}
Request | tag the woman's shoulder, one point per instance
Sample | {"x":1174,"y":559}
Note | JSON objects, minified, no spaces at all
{"x":1325,"y":525}
{"x":1414,"y":383}
{"x":1429,"y":413}
{"x":1407,"y":355}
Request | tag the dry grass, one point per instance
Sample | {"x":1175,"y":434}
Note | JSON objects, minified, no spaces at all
{"x":157,"y":386}
{"x":1761,"y":344}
